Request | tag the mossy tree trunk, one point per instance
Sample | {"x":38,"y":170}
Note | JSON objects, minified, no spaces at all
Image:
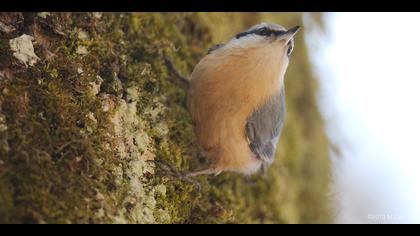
{"x":83,"y":113}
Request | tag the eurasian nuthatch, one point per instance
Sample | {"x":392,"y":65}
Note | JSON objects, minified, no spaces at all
{"x":236,"y":99}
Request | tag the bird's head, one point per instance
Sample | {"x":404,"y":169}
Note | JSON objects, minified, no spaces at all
{"x":267,"y":34}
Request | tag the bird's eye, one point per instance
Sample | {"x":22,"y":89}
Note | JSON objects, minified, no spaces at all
{"x":263,"y":31}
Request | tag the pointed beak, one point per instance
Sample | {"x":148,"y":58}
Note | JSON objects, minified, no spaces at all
{"x":288,"y":34}
{"x":293,"y":30}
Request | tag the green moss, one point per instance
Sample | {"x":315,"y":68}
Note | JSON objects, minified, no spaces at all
{"x":81,"y":127}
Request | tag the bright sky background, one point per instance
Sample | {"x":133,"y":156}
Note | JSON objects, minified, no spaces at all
{"x":369,"y":70}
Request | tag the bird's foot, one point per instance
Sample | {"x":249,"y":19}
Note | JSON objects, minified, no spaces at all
{"x":208,"y":171}
{"x":168,"y":170}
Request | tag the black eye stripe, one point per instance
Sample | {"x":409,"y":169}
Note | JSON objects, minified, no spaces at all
{"x":240,"y":35}
{"x":261,"y":31}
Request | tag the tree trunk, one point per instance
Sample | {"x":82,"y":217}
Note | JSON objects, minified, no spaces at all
{"x":87,"y":103}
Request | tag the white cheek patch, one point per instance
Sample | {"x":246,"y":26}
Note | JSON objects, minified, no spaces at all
{"x":248,"y":41}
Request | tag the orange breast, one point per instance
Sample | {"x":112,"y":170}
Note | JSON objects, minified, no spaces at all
{"x":226,"y":87}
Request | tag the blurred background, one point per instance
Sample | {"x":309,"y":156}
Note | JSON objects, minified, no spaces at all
{"x":367,"y":65}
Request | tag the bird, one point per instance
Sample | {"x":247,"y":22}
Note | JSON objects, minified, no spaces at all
{"x":236,"y":99}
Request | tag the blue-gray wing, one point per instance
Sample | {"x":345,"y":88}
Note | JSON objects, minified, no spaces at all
{"x":264,"y":127}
